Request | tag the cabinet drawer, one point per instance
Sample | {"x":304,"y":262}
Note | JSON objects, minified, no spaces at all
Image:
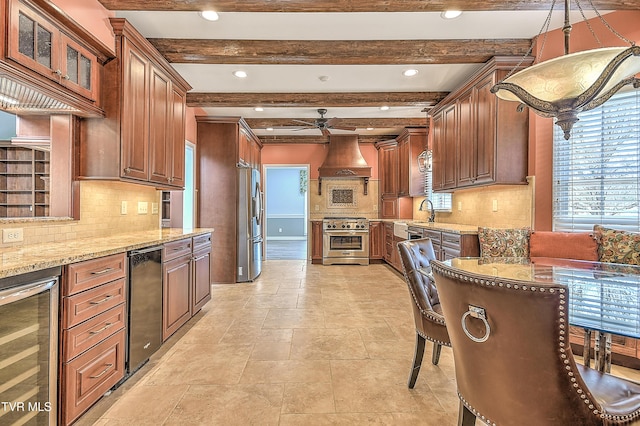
{"x":201,"y":241}
{"x":176,"y":249}
{"x":436,"y":236}
{"x":85,"y":305}
{"x":449,"y":253}
{"x":85,"y":275}
{"x":451,"y":240}
{"x":83,"y":336}
{"x":90,"y":375}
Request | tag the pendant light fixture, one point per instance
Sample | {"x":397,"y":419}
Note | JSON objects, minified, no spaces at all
{"x":565,"y":86}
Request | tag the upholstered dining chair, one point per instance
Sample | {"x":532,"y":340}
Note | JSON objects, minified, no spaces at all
{"x":430,"y":324}
{"x":513,"y":362}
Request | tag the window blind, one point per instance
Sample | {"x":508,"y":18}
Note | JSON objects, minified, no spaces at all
{"x":596,"y":173}
{"x":442,"y":200}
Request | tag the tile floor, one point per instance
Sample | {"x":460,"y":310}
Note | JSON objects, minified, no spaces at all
{"x":303,"y":345}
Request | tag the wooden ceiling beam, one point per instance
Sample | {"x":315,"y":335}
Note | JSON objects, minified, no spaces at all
{"x":350,"y":6}
{"x":266,"y":140}
{"x":337,"y":99}
{"x":337,"y":52}
{"x":361,"y":123}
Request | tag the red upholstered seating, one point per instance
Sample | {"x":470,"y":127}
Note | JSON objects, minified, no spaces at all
{"x":565,"y":245}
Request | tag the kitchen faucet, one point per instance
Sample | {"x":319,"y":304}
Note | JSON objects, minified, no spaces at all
{"x":432,"y":216}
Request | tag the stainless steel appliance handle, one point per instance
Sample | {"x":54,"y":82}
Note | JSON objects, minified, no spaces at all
{"x":22,"y":292}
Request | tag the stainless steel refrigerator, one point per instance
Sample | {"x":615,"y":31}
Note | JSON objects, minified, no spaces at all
{"x":250,"y":210}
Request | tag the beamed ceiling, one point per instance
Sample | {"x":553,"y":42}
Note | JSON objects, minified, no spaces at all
{"x":344,"y":56}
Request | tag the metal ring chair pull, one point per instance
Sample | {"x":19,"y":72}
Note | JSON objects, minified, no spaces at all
{"x":476,"y":312}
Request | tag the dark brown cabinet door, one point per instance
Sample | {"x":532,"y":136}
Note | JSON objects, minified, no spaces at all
{"x":437,"y":170}
{"x":201,"y":278}
{"x":388,"y":168}
{"x":176,"y":309}
{"x":485,"y":131}
{"x":316,"y":241}
{"x":376,"y":240}
{"x":135,"y":114}
{"x":450,"y":147}
{"x":404,"y":167}
{"x":466,"y":139}
{"x":159,"y":133}
{"x":177,"y":139}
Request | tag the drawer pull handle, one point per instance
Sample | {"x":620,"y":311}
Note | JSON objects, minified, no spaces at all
{"x":106,"y":298}
{"x":102,"y":373}
{"x":104,"y":271}
{"x":106,"y":326}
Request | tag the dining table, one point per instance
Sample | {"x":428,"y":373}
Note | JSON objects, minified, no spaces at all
{"x":604,"y":298}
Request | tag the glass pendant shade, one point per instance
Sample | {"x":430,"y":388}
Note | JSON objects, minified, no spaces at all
{"x":565,"y":86}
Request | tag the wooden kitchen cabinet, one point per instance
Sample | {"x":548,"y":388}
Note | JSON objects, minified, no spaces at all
{"x":479,"y":139}
{"x":201,"y":272}
{"x":376,"y":240}
{"x":391,"y":206}
{"x":218,"y":155}
{"x":316,"y":241}
{"x":186,"y":284}
{"x":24,"y":182}
{"x":46,"y":47}
{"x":411,"y":143}
{"x":448,"y":245}
{"x":391,"y":254}
{"x":176,"y":291}
{"x":92,"y":337}
{"x":142,"y":139}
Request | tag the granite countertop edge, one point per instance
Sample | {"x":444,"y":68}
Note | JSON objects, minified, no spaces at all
{"x":28,"y":258}
{"x":454,"y":228}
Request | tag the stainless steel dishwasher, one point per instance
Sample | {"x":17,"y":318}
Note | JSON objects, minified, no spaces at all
{"x":145,"y":306}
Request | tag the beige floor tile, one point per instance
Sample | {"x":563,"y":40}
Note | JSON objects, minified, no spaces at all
{"x":308,"y":398}
{"x":139,"y":408}
{"x":294,"y":318}
{"x":343,"y":343}
{"x":271,"y":351}
{"x":229,"y":405}
{"x":291,"y":371}
{"x":339,"y":419}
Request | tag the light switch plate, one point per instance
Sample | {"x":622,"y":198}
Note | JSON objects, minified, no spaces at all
{"x":495,"y":205}
{"x":154,"y":208}
{"x":123,"y":207}
{"x":143,"y":207}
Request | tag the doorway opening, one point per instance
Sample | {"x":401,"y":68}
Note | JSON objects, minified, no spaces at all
{"x":286,"y":211}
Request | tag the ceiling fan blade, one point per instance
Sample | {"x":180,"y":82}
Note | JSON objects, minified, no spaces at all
{"x":344,"y":128}
{"x":330,"y":121}
{"x":305,"y":122}
{"x":325,"y":132}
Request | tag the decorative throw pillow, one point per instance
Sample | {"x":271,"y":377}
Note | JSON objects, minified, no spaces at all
{"x":616,"y":246}
{"x":565,"y":245}
{"x":495,"y":242}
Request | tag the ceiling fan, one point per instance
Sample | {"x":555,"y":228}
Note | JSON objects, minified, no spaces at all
{"x":324,"y":124}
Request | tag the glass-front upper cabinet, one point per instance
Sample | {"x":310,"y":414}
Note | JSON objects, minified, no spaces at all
{"x":37,"y":43}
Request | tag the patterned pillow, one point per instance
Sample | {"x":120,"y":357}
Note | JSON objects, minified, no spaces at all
{"x":616,"y":246}
{"x":504,"y":242}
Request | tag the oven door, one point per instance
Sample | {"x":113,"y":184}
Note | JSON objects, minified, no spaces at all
{"x":345,"y":244}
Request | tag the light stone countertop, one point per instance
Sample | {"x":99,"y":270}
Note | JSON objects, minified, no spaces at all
{"x":28,"y":258}
{"x":455,"y":228}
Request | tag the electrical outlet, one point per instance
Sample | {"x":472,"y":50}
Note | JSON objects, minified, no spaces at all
{"x":459,"y":206}
{"x":12,"y":235}
{"x":495,"y":205}
{"x":143,"y":207}
{"x":154,"y":208}
{"x":123,"y":207}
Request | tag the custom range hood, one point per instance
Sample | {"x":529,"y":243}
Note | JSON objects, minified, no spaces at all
{"x":344,"y":161}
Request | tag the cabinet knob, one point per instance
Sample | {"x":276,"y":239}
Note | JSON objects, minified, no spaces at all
{"x":66,"y":77}
{"x":58,"y":72}
{"x":127,"y":170}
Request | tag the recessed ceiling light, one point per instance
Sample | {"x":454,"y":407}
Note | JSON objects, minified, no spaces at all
{"x":450,"y":14}
{"x":240,"y":74}
{"x":269,"y":129}
{"x":384,"y":108}
{"x":410,"y":72}
{"x":259,"y":109}
{"x":369,"y":128}
{"x":209,"y":15}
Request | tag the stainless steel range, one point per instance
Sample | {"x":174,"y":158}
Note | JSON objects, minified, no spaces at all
{"x":345,"y":241}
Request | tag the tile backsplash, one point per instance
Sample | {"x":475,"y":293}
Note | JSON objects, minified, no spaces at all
{"x":343,"y":197}
{"x":100,"y":214}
